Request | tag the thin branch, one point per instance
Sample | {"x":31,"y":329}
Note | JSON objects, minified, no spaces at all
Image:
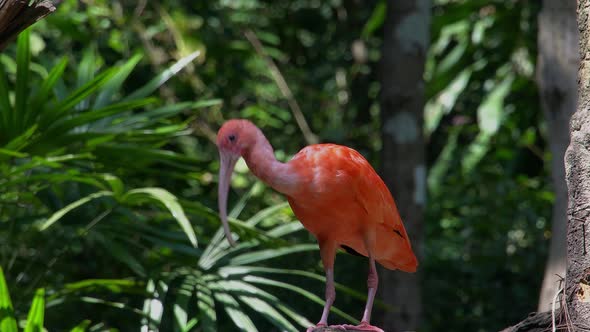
{"x":553,"y":325}
{"x":279,"y":79}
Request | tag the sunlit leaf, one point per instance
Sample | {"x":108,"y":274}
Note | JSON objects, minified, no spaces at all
{"x":59,"y":214}
{"x":267,"y":254}
{"x":233,"y":310}
{"x":36,"y":313}
{"x":114,"y":83}
{"x":159,"y":80}
{"x":267,"y":311}
{"x":171,"y":203}
{"x":82,"y":327}
{"x":376,"y":20}
{"x":7,"y":319}
{"x":490,"y":113}
{"x":310,"y":296}
{"x":206,"y":305}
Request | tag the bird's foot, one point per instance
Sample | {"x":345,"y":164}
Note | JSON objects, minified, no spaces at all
{"x":321,"y":326}
{"x":363,"y":326}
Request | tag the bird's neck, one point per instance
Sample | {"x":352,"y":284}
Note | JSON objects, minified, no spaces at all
{"x":261,"y":161}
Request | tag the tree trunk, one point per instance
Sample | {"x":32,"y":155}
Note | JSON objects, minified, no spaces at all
{"x":577,"y":170}
{"x":575,"y":311}
{"x":17,"y":15}
{"x":558,"y":63}
{"x":405,"y":44}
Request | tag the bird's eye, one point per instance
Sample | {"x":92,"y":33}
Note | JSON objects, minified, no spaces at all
{"x":232,"y":138}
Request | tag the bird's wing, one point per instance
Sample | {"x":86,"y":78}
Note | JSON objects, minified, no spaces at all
{"x":372,"y":193}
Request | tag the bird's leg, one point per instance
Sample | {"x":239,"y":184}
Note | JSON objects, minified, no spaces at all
{"x":328,"y":253}
{"x":372,"y":283}
{"x":330,"y":296}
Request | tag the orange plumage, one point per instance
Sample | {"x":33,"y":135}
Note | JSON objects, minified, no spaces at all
{"x":341,"y":198}
{"x":335,"y":193}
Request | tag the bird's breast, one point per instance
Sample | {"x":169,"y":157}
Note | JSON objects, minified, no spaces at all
{"x":338,"y":217}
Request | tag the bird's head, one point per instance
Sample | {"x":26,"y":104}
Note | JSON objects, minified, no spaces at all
{"x":234,"y":139}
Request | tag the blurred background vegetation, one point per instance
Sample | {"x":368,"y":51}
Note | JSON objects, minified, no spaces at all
{"x":108,"y":164}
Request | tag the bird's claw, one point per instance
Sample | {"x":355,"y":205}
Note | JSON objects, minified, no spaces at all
{"x":363,"y":326}
{"x":320,"y":327}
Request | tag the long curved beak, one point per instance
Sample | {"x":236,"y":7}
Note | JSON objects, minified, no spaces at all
{"x":228,"y":162}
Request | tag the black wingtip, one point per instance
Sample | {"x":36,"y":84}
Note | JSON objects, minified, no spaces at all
{"x":351,"y":251}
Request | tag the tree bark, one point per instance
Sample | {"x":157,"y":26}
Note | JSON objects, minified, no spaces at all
{"x":557,"y":66}
{"x":577,"y":170}
{"x":405,"y":44}
{"x":17,"y":15}
{"x":533,"y":323}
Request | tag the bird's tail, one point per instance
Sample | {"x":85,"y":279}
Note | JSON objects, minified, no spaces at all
{"x":407,"y":266}
{"x":394,"y":251}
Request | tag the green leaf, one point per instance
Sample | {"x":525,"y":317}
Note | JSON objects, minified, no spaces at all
{"x":268,"y":312}
{"x":265,"y":213}
{"x":476,"y":151}
{"x":85,"y":118}
{"x":190,"y":325}
{"x":300,"y":291}
{"x":23,"y":59}
{"x":41,"y":98}
{"x":111,"y":285}
{"x":491,"y":111}
{"x":122,"y":254}
{"x":171,"y":203}
{"x":152,"y":313}
{"x":12,"y":153}
{"x":81,"y":327}
{"x":163,"y":77}
{"x":115,"y":82}
{"x":7,"y":319}
{"x":180,"y":307}
{"x":258,"y":300}
{"x":5,"y":107}
{"x":375,"y":21}
{"x":36,"y":313}
{"x":206,"y":304}
{"x":117,"y":186}
{"x":267,"y":254}
{"x":60,"y":213}
{"x":86,"y":70}
{"x":21,"y":141}
{"x":77,"y":96}
{"x":237,"y":271}
{"x":445,"y":101}
{"x":443,"y":163}
{"x":112,"y":304}
{"x":284,"y":229}
{"x":233,"y":310}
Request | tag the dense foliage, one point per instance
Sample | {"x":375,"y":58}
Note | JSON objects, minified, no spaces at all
{"x":108,"y":167}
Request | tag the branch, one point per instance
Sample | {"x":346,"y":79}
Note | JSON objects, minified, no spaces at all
{"x":535,"y":322}
{"x":310,"y":137}
{"x":17,"y":15}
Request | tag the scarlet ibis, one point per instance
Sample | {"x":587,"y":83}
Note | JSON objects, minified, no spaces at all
{"x":337,"y":196}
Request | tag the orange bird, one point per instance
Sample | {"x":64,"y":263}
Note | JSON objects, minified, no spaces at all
{"x":336,"y":195}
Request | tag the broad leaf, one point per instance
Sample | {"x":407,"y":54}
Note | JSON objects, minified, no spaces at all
{"x":171,"y":203}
